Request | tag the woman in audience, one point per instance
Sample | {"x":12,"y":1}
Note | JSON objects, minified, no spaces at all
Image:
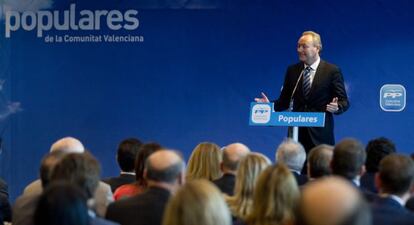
{"x":249,"y":169}
{"x":275,"y":198}
{"x":204,"y":162}
{"x":62,"y":204}
{"x":197,"y":202}
{"x":128,"y":190}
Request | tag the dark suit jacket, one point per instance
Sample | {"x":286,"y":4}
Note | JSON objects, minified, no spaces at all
{"x":327,"y":84}
{"x":5,"y":208}
{"x":144,"y":209}
{"x":226,"y":183}
{"x":368,"y":182}
{"x":386,"y":211}
{"x":300,"y":178}
{"x":116,"y":182}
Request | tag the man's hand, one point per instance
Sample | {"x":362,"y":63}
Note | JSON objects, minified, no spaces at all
{"x":263,"y":99}
{"x":333,"y":106}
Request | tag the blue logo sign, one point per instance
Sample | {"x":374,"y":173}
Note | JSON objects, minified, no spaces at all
{"x":392,"y":97}
{"x":261,"y":114}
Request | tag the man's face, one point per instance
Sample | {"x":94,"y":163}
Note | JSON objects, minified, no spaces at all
{"x":308,"y":52}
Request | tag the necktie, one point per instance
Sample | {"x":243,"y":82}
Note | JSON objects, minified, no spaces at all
{"x":306,"y":80}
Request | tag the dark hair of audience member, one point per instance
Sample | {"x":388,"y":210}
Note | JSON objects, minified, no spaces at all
{"x":81,"y":169}
{"x":61,"y":203}
{"x":348,"y":158}
{"x":144,"y":152}
{"x":49,"y":161}
{"x":126,"y":154}
{"x":396,"y":173}
{"x":376,"y":150}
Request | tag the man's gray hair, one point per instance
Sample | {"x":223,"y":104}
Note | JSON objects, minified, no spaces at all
{"x":292,"y":154}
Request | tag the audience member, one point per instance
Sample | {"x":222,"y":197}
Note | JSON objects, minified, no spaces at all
{"x":197,"y":202}
{"x":204,"y":162}
{"x":319,"y":161}
{"x":62,"y":204}
{"x":232,"y":154}
{"x":275,"y":198}
{"x":103,"y":195}
{"x":164,"y":173}
{"x":332,"y":201}
{"x":25,"y":205}
{"x":348,"y":160}
{"x":5,"y":208}
{"x":293,"y":155}
{"x":376,"y":150}
{"x":394,"y":181}
{"x":128,"y":190}
{"x":126,"y":154}
{"x":249,"y":170}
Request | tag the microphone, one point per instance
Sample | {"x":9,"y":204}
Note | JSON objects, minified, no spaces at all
{"x":293,"y":92}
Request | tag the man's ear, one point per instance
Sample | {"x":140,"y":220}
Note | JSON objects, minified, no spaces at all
{"x":221,"y":167}
{"x":145,"y":174}
{"x":362,"y":170}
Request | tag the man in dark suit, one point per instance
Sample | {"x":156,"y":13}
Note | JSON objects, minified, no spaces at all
{"x":293,"y":155}
{"x":232,"y":155}
{"x":394,"y":182}
{"x":127,"y":151}
{"x":164,"y":172}
{"x":319,"y":88}
{"x":5,"y":208}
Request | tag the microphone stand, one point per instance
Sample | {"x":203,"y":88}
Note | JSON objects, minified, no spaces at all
{"x":293,"y":132}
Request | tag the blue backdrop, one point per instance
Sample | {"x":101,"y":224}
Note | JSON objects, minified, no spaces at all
{"x":193,"y":76}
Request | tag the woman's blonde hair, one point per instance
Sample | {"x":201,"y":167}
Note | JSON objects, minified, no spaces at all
{"x":249,"y":169}
{"x":204,"y":162}
{"x":197,"y":202}
{"x":275,"y":198}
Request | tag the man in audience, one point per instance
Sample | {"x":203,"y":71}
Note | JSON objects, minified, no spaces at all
{"x":5,"y":208}
{"x":394,"y":181}
{"x":232,"y":155}
{"x":25,"y":205}
{"x":164,"y":172}
{"x":319,"y":161}
{"x":127,"y":151}
{"x":293,"y":155}
{"x":332,"y":201}
{"x":376,"y":150}
{"x":348,"y":160}
{"x":103,"y":195}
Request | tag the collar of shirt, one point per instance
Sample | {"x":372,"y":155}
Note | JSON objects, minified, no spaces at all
{"x":395,"y":197}
{"x":314,"y":67}
{"x":130,"y":173}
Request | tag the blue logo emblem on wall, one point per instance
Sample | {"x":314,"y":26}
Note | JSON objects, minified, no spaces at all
{"x":392,"y":97}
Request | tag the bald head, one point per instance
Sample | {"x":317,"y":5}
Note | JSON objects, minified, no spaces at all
{"x":68,"y":145}
{"x":164,"y":166}
{"x":332,"y":201}
{"x":233,"y":154}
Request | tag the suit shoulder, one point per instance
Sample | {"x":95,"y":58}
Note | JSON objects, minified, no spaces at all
{"x":295,"y":66}
{"x":329,"y":66}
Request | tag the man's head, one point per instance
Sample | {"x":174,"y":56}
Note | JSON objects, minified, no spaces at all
{"x":82,"y":170}
{"x":232,"y":155}
{"x":68,"y":145}
{"x":164,"y":168}
{"x":48,"y":163}
{"x":309,"y":47}
{"x":376,"y":150}
{"x":395,"y":175}
{"x":292,"y":154}
{"x":332,"y":201}
{"x":348,"y":159}
{"x":127,"y":151}
{"x":319,"y":160}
